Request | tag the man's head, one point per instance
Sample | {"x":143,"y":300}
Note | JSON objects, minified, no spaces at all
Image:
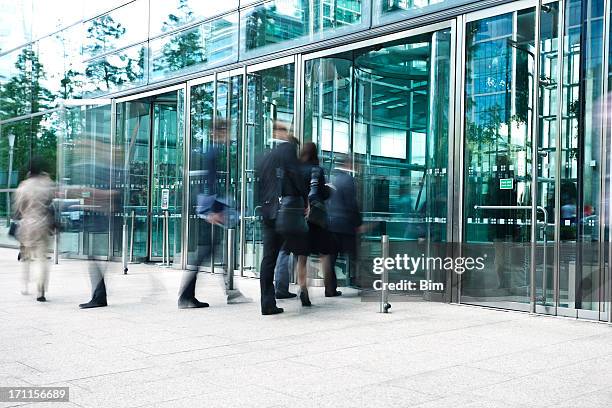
{"x":281,"y":131}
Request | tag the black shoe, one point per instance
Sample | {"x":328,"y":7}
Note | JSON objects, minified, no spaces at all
{"x":286,"y":295}
{"x":273,"y":311}
{"x":91,"y":304}
{"x":191,"y":304}
{"x":304,"y":298}
{"x":336,"y":293}
{"x":41,"y":299}
{"x":98,"y":299}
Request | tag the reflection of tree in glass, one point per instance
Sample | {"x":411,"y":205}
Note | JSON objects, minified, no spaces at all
{"x":24,"y":93}
{"x":116,"y":69}
{"x":21,"y":94}
{"x":184,"y":49}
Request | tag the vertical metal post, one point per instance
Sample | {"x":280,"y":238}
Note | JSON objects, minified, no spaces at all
{"x":384,"y":294}
{"x":231,"y":238}
{"x":559,"y":154}
{"x":133,"y":215}
{"x":212,"y":248}
{"x":167,"y":236}
{"x":535,"y":127}
{"x":124,"y":240}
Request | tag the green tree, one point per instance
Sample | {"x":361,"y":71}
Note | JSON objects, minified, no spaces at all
{"x":103,"y":72}
{"x":186,"y":48}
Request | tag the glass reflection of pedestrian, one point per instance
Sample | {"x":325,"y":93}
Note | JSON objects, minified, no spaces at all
{"x":208,"y":212}
{"x":33,"y":200}
{"x":344,"y":220}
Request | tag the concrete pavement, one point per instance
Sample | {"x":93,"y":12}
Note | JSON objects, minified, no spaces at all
{"x":142,"y":351}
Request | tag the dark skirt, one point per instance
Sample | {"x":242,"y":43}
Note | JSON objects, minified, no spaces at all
{"x":318,"y":241}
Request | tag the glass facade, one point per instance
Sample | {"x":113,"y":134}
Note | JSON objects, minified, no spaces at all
{"x":452,"y":135}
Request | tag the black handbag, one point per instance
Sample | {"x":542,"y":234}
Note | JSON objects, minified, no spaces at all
{"x":317,"y":213}
{"x":12,"y":232}
{"x":290,"y":218}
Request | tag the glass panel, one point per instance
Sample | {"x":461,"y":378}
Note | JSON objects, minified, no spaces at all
{"x":113,"y":72}
{"x":229,"y":98}
{"x":547,"y":146}
{"x":167,"y":167}
{"x":47,"y":72}
{"x":580,"y":156}
{"x":168,"y":15}
{"x":202,"y":112}
{"x":206,"y":45}
{"x":51,"y":16}
{"x":85,"y":168}
{"x":398,"y":140}
{"x":119,"y":28}
{"x":498,"y":168}
{"x":133,"y":133}
{"x":16,"y":23}
{"x":15,"y":81}
{"x":282,"y":24}
{"x":390,"y":10}
{"x":270,"y":98}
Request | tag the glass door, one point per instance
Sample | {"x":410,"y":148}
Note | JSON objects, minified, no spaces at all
{"x":499,"y":52}
{"x":384,"y":109}
{"x":270,"y":98}
{"x":85,"y":170}
{"x":167,"y":176}
{"x":134,"y":137}
{"x":214,"y":168}
{"x":499,"y":170}
{"x":148,"y":173}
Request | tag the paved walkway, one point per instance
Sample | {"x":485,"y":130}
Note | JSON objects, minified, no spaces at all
{"x":143,"y":352}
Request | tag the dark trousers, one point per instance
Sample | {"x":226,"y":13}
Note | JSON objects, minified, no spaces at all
{"x":272,"y":243}
{"x":329,"y":278}
{"x":203,"y":254}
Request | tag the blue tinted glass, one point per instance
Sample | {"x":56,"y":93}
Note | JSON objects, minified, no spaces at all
{"x":208,"y":44}
{"x":15,"y":83}
{"x":169,"y":15}
{"x":389,"y":10}
{"x":281,"y":24}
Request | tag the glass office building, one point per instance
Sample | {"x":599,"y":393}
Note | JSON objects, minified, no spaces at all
{"x":476,"y":127}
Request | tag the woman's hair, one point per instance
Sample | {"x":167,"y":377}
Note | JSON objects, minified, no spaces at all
{"x":37,"y":166}
{"x":309,"y":153}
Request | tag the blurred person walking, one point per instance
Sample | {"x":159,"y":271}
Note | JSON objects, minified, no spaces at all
{"x":319,"y":240}
{"x":282,"y":197}
{"x":344,"y":221}
{"x":212,"y":210}
{"x":33,"y":208}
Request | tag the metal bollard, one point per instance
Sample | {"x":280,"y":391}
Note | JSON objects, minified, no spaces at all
{"x":384,"y":293}
{"x":124,"y":256}
{"x":231,"y":237}
{"x":167,"y":236}
{"x":132,"y":238}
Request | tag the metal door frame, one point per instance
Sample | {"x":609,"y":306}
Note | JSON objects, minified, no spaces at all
{"x":212,"y":78}
{"x":115,"y":117}
{"x":454,"y":81}
{"x":246,"y":71}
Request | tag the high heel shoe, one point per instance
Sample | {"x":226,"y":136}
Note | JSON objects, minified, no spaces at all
{"x":304,"y":298}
